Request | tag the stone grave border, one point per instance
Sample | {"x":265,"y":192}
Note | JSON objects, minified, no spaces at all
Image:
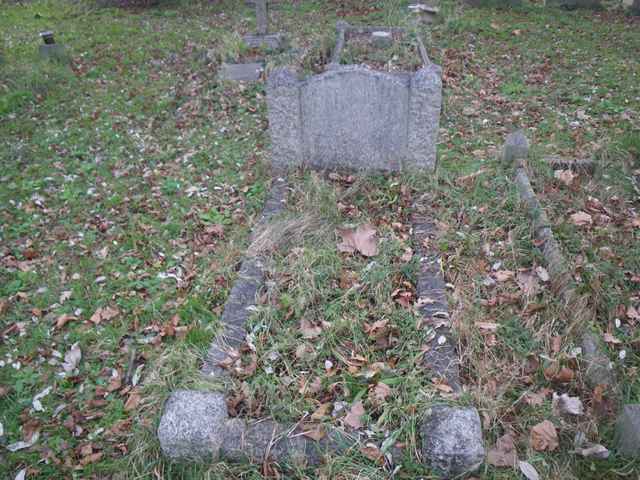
{"x":355,"y":117}
{"x":195,"y":425}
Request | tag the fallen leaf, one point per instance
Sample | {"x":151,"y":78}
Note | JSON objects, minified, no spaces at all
{"x":309,"y":330}
{"x":133,"y":401}
{"x":380,"y":393}
{"x":536,"y":399}
{"x":104,"y":314}
{"x":72,"y":358}
{"x":503,"y":275}
{"x":64,"y":319}
{"x":555,"y":373}
{"x":37,"y":406}
{"x":14,"y":447}
{"x":528,"y":283}
{"x":324,"y":410}
{"x":542,"y":273}
{"x":611,"y":339}
{"x":544,"y":437}
{"x":361,"y":239}
{"x":504,"y":453}
{"x":566,"y":405}
{"x":313,"y":431}
{"x":487,"y":326}
{"x":22,"y":474}
{"x":528,"y":471}
{"x":565,"y":176}
{"x":372,"y":452}
{"x":593,"y":450}
{"x":581,"y":219}
{"x":354,"y":417}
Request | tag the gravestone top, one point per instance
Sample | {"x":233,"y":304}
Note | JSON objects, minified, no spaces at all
{"x":262,"y":17}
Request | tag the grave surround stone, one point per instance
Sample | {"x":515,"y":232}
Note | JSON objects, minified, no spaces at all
{"x":628,"y":431}
{"x":262,"y":37}
{"x":242,"y":72}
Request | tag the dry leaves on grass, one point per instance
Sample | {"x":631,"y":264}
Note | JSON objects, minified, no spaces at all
{"x":504,"y":454}
{"x":361,"y":239}
{"x":544,"y":437}
{"x":566,"y":405}
{"x":72,"y":358}
{"x":565,"y":176}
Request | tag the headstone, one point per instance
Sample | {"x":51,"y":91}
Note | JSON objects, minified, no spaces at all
{"x":574,"y":4}
{"x":628,"y":431}
{"x":452,"y":440}
{"x":262,"y":17}
{"x":635,"y":8}
{"x":516,"y":147}
{"x":382,"y":39}
{"x":50,"y":50}
{"x":241,"y":72}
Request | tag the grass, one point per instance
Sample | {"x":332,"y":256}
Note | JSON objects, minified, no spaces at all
{"x":131,"y":178}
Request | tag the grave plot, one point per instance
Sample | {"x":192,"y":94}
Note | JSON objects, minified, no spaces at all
{"x":334,"y":340}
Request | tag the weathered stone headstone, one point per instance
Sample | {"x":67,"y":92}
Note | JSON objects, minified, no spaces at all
{"x":635,"y":8}
{"x":354,"y":117}
{"x":50,"y":50}
{"x":452,"y":440}
{"x":424,"y":13}
{"x":262,"y":17}
{"x":628,"y":431}
{"x":382,"y":39}
{"x":241,"y":72}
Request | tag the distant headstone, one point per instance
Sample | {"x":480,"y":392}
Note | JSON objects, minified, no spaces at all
{"x":598,"y":368}
{"x":628,"y":431}
{"x":241,"y":72}
{"x":50,"y":50}
{"x":635,"y":8}
{"x":425,"y":13}
{"x":382,"y":39}
{"x":574,"y":4}
{"x":262,"y":37}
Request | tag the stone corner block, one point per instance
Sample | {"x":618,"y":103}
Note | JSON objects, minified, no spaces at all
{"x":192,"y":426}
{"x":628,"y":431}
{"x":452,"y":442}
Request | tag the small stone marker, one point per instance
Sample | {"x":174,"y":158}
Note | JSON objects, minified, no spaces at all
{"x":452,"y":440}
{"x":263,"y":38}
{"x":599,"y":370}
{"x":628,"y":431}
{"x":516,"y":147}
{"x":50,"y":50}
{"x":425,"y":13}
{"x":241,"y":72}
{"x":381,"y":39}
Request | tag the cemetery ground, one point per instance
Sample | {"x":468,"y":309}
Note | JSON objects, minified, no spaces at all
{"x":132,"y":177}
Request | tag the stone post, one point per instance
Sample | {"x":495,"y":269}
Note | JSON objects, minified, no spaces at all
{"x":285,"y":118}
{"x":425,"y":101}
{"x":262,"y":17}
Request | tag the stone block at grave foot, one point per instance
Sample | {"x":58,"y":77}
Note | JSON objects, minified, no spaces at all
{"x":452,"y":442}
{"x":628,"y":431}
{"x":193,"y":425}
{"x":241,"y":72}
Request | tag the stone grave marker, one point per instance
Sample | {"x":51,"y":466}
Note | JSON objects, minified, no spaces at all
{"x":50,"y":50}
{"x":262,"y":37}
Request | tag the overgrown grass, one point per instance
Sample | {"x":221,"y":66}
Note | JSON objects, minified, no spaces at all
{"x":116,"y":167}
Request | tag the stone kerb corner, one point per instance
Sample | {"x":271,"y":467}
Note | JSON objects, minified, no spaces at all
{"x":355,"y":117}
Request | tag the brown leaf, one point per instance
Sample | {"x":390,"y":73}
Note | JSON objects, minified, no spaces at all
{"x":133,"y":401}
{"x":324,"y":410}
{"x":104,"y":314}
{"x":380,"y":392}
{"x":581,"y":219}
{"x":64,"y":319}
{"x":361,"y":239}
{"x":372,"y":452}
{"x":376,"y":329}
{"x":565,"y":176}
{"x":555,"y":373}
{"x":535,"y":399}
{"x":309,"y":330}
{"x":354,"y":417}
{"x":313,"y":431}
{"x":528,"y":283}
{"x":503,"y":275}
{"x":504,"y":453}
{"x":544,"y":437}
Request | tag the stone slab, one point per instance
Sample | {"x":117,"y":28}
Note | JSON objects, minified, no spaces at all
{"x":516,"y":147}
{"x":628,"y":431}
{"x":241,"y":72}
{"x":452,"y":440}
{"x":272,"y":41}
{"x":54,"y":51}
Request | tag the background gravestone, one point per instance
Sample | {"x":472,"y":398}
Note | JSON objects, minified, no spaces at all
{"x":262,"y":37}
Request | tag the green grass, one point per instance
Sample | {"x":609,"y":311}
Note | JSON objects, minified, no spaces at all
{"x":113,"y":168}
